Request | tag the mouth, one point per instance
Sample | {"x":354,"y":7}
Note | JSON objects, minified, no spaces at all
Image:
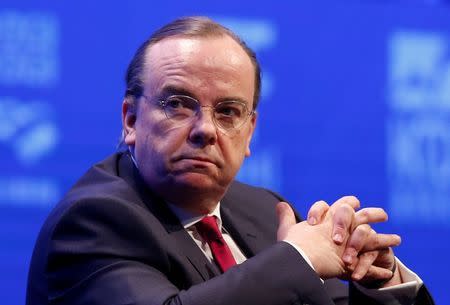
{"x":196,"y":159}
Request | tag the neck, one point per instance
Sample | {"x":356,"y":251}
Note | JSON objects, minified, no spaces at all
{"x":196,"y":204}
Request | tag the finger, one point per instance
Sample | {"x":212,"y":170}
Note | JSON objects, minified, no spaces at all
{"x":379,"y":241}
{"x":364,"y":263}
{"x":356,"y":242}
{"x":342,"y":221}
{"x":370,"y":215}
{"x":374,"y":273}
{"x":286,"y":219}
{"x":350,"y":200}
{"x":317,"y":212}
{"x":385,"y":259}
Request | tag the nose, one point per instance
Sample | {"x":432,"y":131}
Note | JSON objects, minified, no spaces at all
{"x":204,"y":130}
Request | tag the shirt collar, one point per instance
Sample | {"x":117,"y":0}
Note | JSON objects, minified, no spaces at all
{"x":188,"y":219}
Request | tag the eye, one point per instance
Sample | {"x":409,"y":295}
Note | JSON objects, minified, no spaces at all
{"x":180,"y":107}
{"x":174,"y":102}
{"x":230,"y":110}
{"x":181,"y":102}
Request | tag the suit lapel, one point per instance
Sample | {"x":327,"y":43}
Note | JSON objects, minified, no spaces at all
{"x":243,"y":232}
{"x":180,"y":238}
{"x":183,"y":242}
{"x":194,"y":255}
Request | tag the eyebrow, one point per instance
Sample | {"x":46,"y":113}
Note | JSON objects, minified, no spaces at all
{"x":175,"y":90}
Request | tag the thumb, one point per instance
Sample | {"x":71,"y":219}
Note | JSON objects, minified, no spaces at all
{"x":286,"y":219}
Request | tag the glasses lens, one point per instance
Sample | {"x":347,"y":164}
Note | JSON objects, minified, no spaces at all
{"x":180,"y":108}
{"x":230,"y":115}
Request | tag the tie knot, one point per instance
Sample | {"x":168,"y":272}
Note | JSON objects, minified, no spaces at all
{"x":208,"y":229}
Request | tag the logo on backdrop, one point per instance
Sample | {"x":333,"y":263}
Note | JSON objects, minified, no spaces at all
{"x":29,"y":60}
{"x":28,"y":49}
{"x":418,"y":129}
{"x":27,"y":130}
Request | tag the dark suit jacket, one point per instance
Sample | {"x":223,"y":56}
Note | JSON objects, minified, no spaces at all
{"x":111,"y":241}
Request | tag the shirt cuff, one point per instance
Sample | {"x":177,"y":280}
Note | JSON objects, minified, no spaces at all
{"x":401,"y":294}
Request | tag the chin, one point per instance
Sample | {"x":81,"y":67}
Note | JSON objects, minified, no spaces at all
{"x":194,"y":190}
{"x":196,"y":181}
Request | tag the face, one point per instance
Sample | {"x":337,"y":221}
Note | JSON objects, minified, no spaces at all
{"x":198,"y":159}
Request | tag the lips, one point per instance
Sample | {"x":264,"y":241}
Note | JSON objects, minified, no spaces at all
{"x":199,"y":158}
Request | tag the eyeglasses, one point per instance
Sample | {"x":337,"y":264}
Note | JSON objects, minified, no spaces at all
{"x":228,"y":116}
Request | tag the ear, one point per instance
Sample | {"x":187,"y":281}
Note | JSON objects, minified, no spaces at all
{"x":252,"y":129}
{"x":129,"y":120}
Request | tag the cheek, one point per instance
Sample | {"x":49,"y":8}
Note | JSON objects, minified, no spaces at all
{"x":157,"y":143}
{"x":233,"y":150}
{"x":148,"y":143}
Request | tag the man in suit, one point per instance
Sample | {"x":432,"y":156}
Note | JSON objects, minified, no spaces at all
{"x":164,"y":222}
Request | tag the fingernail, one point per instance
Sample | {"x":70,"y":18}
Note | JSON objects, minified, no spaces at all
{"x":312,"y":220}
{"x":338,"y":238}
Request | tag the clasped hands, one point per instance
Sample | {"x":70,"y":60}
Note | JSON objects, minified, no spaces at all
{"x":340,"y":242}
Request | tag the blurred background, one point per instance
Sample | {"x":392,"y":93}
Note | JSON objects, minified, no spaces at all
{"x":356,"y":100}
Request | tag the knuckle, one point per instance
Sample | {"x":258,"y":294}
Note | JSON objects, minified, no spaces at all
{"x":317,"y":203}
{"x":376,"y":241}
{"x":339,"y":226}
{"x":345,"y":209}
{"x":365,"y":228}
{"x":351,"y":199}
{"x":324,"y":206}
{"x":373,"y":234}
{"x":319,"y":206}
{"x":372,"y":240}
{"x":361,"y":230}
{"x":372,"y":255}
{"x":364,"y":215}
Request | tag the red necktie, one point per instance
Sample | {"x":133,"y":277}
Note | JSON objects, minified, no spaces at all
{"x":209,"y":231}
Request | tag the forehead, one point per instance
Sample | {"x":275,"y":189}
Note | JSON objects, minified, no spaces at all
{"x":218,"y":63}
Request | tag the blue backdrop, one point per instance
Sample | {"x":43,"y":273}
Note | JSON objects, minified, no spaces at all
{"x":356,"y":100}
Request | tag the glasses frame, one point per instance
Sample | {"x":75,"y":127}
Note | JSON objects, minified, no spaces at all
{"x":164,"y":102}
